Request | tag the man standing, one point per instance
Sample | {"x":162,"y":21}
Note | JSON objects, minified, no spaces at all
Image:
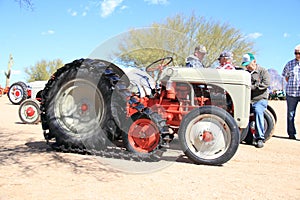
{"x":260,"y":81}
{"x":195,"y":60}
{"x":291,"y":72}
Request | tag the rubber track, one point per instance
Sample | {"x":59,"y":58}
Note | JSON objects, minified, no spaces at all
{"x":110,"y":152}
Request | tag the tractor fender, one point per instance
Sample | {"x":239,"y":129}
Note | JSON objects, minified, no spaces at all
{"x":118,"y":70}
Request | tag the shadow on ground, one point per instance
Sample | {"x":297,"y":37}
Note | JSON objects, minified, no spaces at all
{"x":285,"y":138}
{"x":176,"y":154}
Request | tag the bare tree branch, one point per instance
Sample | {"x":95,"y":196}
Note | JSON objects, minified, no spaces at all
{"x":25,"y":4}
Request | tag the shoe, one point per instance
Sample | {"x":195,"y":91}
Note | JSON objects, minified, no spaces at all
{"x":292,"y":137}
{"x":260,"y":144}
{"x":254,"y":142}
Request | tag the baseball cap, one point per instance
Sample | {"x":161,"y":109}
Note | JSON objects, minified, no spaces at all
{"x":225,"y":54}
{"x":201,"y":49}
{"x":247,"y":59}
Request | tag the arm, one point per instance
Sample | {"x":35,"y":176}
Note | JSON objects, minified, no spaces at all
{"x":260,"y":80}
{"x":265,"y":80}
{"x":285,"y":72}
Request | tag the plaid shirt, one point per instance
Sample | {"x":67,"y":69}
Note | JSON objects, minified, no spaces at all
{"x":292,"y":71}
{"x":193,"y":61}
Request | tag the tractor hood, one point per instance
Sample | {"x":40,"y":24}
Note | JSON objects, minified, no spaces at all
{"x":205,"y":75}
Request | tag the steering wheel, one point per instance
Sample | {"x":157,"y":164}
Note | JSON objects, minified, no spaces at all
{"x":155,"y":68}
{"x":159,"y":64}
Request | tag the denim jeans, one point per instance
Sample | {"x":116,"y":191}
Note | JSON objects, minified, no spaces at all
{"x":258,"y":109}
{"x":292,"y":103}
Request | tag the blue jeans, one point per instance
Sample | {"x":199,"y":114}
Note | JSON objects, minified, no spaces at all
{"x":258,"y":109}
{"x":292,"y":103}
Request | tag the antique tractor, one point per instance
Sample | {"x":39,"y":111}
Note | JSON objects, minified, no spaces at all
{"x":18,"y":92}
{"x":92,"y":105}
{"x":28,"y":96}
{"x":3,"y":91}
{"x":29,"y":109}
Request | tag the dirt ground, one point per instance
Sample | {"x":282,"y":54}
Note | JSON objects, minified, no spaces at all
{"x":30,"y":170}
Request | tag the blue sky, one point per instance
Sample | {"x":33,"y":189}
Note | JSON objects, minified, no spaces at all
{"x":72,"y":29}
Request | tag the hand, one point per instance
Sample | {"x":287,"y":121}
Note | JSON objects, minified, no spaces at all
{"x":255,"y":79}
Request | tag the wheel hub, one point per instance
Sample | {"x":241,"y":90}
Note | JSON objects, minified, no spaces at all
{"x":143,"y":135}
{"x":30,"y":112}
{"x":204,"y":133}
{"x":206,"y":136}
{"x":84,"y":107}
{"x":17,"y":93}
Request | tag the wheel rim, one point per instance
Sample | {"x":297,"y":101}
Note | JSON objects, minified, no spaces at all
{"x":208,"y":136}
{"x":16,"y":93}
{"x":29,"y":113}
{"x":143,"y":135}
{"x":79,"y":106}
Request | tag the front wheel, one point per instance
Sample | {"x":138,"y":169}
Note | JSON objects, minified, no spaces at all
{"x":29,"y":111}
{"x":268,"y":127}
{"x":209,"y":135}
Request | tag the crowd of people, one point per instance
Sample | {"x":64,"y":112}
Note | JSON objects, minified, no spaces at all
{"x":260,"y":81}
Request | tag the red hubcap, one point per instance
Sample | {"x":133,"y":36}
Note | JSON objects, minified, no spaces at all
{"x":17,"y":93}
{"x":30,"y":111}
{"x":143,"y":135}
{"x":84,"y":107}
{"x":207,"y":136}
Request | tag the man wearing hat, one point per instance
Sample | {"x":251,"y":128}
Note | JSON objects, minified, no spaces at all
{"x":225,"y":60}
{"x":195,"y":60}
{"x":260,"y":81}
{"x":291,"y":72}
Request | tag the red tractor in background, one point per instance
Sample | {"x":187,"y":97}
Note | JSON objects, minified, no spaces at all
{"x":3,"y":91}
{"x":18,"y":92}
{"x":28,"y":96}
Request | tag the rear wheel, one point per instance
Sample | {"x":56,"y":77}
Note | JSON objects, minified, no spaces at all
{"x":77,"y":105}
{"x":17,"y":93}
{"x":29,"y":111}
{"x":273,"y":113}
{"x":270,"y":123}
{"x":244,"y":132}
{"x":268,"y":127}
{"x":209,"y":135}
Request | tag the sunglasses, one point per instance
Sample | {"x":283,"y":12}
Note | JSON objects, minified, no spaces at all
{"x":297,"y":53}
